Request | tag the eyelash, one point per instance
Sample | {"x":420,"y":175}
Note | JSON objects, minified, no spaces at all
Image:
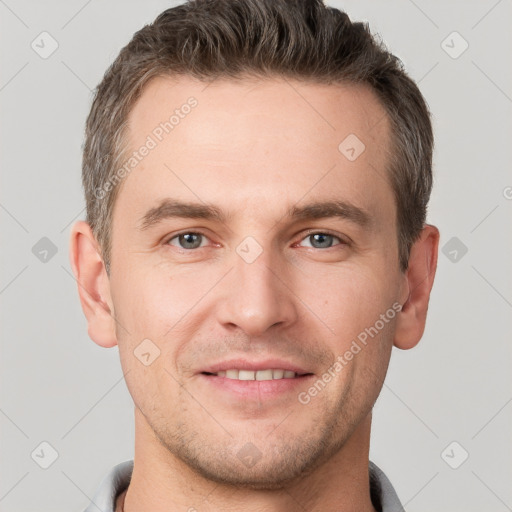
{"x":343,"y":242}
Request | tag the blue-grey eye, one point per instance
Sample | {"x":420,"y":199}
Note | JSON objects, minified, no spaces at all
{"x":188,"y":240}
{"x":321,"y":240}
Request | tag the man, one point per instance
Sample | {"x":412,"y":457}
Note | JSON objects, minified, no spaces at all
{"x":256,"y":175}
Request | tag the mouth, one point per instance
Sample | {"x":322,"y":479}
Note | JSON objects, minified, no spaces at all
{"x":254,"y":381}
{"x":259,"y":375}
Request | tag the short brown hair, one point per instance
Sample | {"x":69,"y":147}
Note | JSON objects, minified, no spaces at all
{"x":298,"y":39}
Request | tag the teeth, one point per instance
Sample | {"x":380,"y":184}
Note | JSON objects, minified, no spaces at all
{"x":263,"y":375}
{"x":278,"y":374}
{"x":232,"y":374}
{"x":270,"y":374}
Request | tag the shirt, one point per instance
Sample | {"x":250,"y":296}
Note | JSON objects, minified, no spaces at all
{"x":384,"y":497}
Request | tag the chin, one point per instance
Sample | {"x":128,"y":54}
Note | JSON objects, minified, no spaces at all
{"x":277,"y":467}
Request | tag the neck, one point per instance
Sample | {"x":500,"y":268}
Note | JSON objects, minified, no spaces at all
{"x":161,"y":482}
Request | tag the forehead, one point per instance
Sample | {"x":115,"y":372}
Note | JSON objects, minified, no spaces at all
{"x":224,"y":107}
{"x":256,"y":140}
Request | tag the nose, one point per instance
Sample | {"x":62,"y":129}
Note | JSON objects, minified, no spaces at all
{"x":257,"y":295}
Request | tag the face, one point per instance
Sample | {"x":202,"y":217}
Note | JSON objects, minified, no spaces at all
{"x":250,"y":276}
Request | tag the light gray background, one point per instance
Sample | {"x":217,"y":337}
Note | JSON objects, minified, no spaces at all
{"x":59,"y":387}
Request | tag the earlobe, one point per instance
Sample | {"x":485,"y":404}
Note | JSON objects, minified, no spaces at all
{"x":93,"y":284}
{"x":418,"y":282}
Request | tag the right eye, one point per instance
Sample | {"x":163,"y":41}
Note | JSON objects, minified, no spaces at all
{"x":187,"y":240}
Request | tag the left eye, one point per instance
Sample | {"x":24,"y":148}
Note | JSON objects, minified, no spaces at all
{"x":323,"y":240}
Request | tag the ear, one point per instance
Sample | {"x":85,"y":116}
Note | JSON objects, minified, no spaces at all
{"x":93,"y":284}
{"x":418,"y":281}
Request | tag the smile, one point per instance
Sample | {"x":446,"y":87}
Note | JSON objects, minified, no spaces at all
{"x":269,"y":374}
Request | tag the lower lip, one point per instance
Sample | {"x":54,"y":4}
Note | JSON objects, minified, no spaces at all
{"x":257,"y":389}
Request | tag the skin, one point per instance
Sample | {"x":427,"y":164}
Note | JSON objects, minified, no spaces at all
{"x":254,"y":148}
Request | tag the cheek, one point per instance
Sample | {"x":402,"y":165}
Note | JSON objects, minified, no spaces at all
{"x":354,"y":300}
{"x":151,"y":303}
{"x":154,"y":388}
{"x":155,"y":313}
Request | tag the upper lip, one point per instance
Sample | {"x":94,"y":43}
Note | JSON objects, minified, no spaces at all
{"x":244,"y":364}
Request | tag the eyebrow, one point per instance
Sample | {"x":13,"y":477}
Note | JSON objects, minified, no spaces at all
{"x":172,"y":208}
